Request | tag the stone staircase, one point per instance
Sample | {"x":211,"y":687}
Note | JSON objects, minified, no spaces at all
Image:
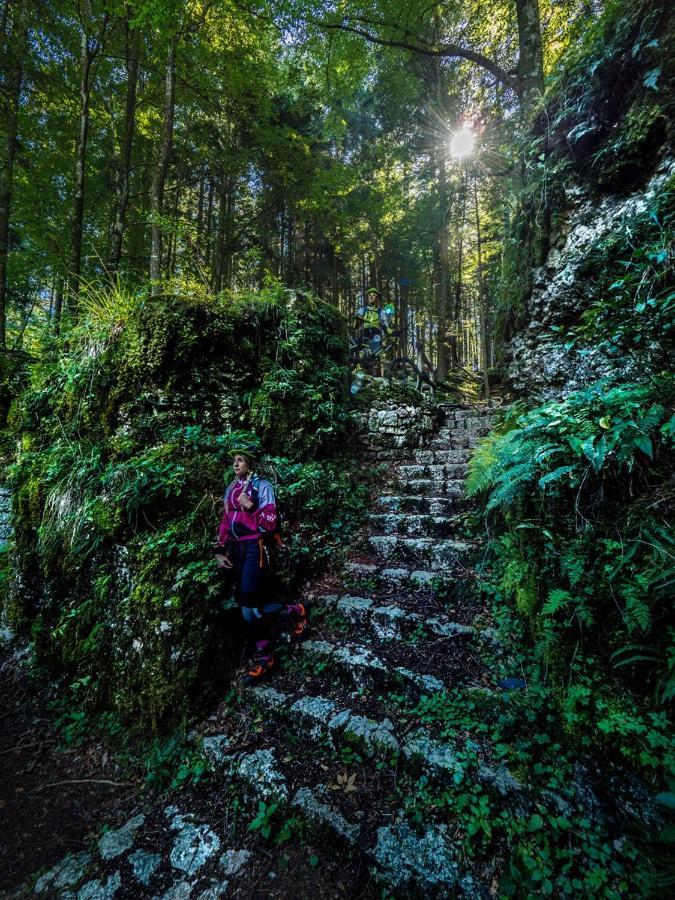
{"x":334,"y":748}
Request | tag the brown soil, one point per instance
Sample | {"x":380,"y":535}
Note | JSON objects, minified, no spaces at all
{"x":53,"y":799}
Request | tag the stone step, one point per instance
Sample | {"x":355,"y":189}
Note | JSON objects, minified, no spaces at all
{"x":407,"y":862}
{"x":459,"y":411}
{"x":456,"y":441}
{"x":406,"y":577}
{"x":447,"y":456}
{"x":419,"y":752}
{"x":435,"y":472}
{"x":413,"y":525}
{"x":425,"y":487}
{"x":390,"y":622}
{"x":260,"y":776}
{"x":474,"y":428}
{"x":367,"y":671}
{"x":432,"y":506}
{"x":431,"y":553}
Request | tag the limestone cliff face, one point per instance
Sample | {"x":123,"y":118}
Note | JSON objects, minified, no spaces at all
{"x":539,"y":360}
{"x":596,"y":212}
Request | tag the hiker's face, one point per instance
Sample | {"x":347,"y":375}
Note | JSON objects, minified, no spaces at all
{"x":372,"y":299}
{"x":241,"y":466}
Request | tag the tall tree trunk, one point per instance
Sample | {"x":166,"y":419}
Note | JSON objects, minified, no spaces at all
{"x":221,"y":238}
{"x":132,"y":39}
{"x":200,"y":207}
{"x":159,"y":180}
{"x":460,"y":352}
{"x":482,"y":301}
{"x":58,"y":303}
{"x":443,"y":273}
{"x":13,"y":81}
{"x":88,"y":50}
{"x":530,"y":54}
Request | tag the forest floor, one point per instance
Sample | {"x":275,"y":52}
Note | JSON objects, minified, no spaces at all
{"x":53,"y":797}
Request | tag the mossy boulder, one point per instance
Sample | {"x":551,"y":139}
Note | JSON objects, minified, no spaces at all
{"x":124,"y":433}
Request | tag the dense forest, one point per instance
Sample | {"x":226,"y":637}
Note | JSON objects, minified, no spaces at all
{"x":195,"y":200}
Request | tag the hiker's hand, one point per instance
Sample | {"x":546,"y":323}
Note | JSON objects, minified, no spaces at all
{"x":223,"y":562}
{"x":245,"y":501}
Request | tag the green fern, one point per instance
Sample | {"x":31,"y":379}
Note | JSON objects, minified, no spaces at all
{"x":630,"y":654}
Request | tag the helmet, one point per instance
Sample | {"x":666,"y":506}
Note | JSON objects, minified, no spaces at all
{"x":372,"y":290}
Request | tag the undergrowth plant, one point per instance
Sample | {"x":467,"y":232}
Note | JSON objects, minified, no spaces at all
{"x":578,"y":498}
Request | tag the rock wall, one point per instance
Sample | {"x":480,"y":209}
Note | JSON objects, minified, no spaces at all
{"x":5,"y":511}
{"x":387,"y":432}
{"x":538,"y":361}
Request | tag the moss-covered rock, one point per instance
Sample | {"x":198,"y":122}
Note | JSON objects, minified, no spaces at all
{"x":124,"y":433}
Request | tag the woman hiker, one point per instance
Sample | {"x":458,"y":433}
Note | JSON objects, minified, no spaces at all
{"x":248,"y":525}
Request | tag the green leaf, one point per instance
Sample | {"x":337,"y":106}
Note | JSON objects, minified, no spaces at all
{"x":536,"y":822}
{"x":644,"y":443}
{"x":555,"y":475}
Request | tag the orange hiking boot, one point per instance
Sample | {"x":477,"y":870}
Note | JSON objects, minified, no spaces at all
{"x":298,"y":613}
{"x":262,"y":665}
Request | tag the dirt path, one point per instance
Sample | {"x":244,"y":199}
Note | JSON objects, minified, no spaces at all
{"x":53,"y":799}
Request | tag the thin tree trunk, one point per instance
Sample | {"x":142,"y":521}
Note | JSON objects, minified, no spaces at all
{"x":58,"y":303}
{"x":530,"y":54}
{"x":221,"y":238}
{"x":459,"y":282}
{"x":13,"y":93}
{"x":482,"y":304}
{"x":443,"y":273}
{"x":159,"y":180}
{"x":132,"y":55}
{"x":88,"y":51}
{"x":200,"y":207}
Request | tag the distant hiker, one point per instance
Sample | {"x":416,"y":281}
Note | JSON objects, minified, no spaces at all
{"x":372,"y":320}
{"x":247,"y":528}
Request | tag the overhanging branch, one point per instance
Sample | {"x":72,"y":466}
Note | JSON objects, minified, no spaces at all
{"x":446,"y":51}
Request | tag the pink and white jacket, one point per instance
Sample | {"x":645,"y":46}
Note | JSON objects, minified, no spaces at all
{"x":239,"y":524}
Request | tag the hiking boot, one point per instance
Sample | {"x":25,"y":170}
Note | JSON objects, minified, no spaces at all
{"x":298,"y":615}
{"x":263,"y":663}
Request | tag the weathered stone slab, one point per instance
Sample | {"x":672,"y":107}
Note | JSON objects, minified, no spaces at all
{"x":375,"y":735}
{"x":181,"y":890}
{"x":428,"y":683}
{"x":215,"y":748}
{"x":357,"y":662}
{"x":64,"y":874}
{"x":268,"y":697}
{"x":322,"y":814}
{"x":233,"y":861}
{"x":446,"y":628}
{"x":259,"y":770}
{"x":144,"y":865}
{"x":354,"y":608}
{"x":114,"y":843}
{"x":316,"y":709}
{"x":437,"y":756}
{"x":194,"y":845}
{"x":427,"y":864}
{"x":101,"y":890}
